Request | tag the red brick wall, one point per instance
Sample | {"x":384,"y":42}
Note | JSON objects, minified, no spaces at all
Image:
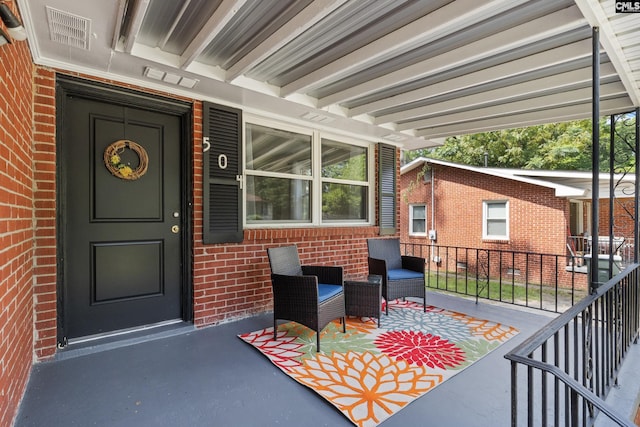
{"x":45,"y":213}
{"x":538,"y":220}
{"x":623,"y":211}
{"x":16,"y":225}
{"x":414,"y":190}
{"x":230,"y":281}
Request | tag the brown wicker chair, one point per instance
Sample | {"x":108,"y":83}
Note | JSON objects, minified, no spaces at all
{"x":402,"y":276}
{"x":310,"y":295}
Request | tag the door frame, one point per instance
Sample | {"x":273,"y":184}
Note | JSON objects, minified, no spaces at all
{"x":68,"y":86}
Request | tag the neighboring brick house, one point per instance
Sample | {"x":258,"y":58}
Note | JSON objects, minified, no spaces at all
{"x":500,"y":209}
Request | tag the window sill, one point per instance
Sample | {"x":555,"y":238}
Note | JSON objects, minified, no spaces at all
{"x":495,"y":240}
{"x":306,"y":225}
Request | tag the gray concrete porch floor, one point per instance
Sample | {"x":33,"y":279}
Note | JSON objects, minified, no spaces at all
{"x":209,"y":377}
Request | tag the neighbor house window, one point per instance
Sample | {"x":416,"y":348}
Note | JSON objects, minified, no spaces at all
{"x":495,"y":221}
{"x":295,"y":177}
{"x":418,"y":220}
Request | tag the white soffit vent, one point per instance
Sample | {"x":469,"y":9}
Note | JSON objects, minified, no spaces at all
{"x":316,"y":117}
{"x":394,"y":137}
{"x":175,"y":79}
{"x":68,"y":29}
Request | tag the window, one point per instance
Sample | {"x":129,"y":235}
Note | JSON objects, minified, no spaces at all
{"x":279,"y":175}
{"x":418,"y":220}
{"x":495,"y":221}
{"x":297,"y":177}
{"x":345,"y":186}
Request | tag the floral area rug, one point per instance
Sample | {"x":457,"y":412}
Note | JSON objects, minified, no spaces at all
{"x":370,"y":373}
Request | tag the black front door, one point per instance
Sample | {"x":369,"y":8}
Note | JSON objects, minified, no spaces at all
{"x":121,"y":217}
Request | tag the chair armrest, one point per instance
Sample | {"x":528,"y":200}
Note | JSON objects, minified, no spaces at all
{"x":300,"y":291}
{"x":327,"y":274}
{"x":413,"y":263}
{"x":378,"y":266}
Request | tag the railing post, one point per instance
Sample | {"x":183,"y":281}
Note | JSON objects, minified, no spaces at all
{"x":477,"y":274}
{"x":530,"y":395}
{"x":574,"y":409}
{"x":513,"y":277}
{"x":540,"y":294}
{"x":514,"y":394}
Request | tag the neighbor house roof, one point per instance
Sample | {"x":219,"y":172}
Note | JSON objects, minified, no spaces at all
{"x":570,"y":184}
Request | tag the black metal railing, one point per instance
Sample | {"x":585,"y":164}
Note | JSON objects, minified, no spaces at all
{"x":543,"y":281}
{"x":562,"y":374}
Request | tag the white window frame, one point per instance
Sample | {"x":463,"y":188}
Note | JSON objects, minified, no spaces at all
{"x":315,"y":178}
{"x":485,"y":219}
{"x":411,"y":208}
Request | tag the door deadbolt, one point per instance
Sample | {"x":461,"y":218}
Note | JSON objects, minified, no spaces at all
{"x":175,"y":229}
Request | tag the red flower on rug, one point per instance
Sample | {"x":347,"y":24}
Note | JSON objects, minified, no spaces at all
{"x":420,"y":349}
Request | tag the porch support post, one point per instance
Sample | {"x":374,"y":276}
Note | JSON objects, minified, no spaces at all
{"x":636,"y":197}
{"x":595,"y":156}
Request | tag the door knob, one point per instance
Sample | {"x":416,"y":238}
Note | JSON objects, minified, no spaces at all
{"x":175,"y":229}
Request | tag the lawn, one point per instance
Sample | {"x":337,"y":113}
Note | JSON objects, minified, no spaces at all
{"x":541,"y":296}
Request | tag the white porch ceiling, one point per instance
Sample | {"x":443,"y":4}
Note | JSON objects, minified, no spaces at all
{"x":409,"y":72}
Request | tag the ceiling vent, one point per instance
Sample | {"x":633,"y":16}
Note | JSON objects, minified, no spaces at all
{"x":316,"y":117}
{"x":394,"y":137}
{"x":68,"y":29}
{"x":154,"y":73}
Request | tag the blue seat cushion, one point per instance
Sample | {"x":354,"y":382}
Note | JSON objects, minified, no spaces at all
{"x":327,"y":291}
{"x":401,"y":273}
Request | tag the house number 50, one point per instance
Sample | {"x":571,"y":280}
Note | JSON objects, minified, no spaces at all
{"x":222,"y":158}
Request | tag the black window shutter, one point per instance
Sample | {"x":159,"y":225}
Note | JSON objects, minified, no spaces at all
{"x":222,"y":174}
{"x":387,"y":188}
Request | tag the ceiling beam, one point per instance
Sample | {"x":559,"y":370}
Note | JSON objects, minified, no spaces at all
{"x":563,"y":54}
{"x":221,"y":17}
{"x":547,"y":27}
{"x":440,"y":23}
{"x":555,"y":100}
{"x":135,"y":23}
{"x":551,"y":115}
{"x":530,"y":89}
{"x":117,"y":32}
{"x":176,"y":21}
{"x":304,"y":20}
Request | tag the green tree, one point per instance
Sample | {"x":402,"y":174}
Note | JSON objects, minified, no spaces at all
{"x":557,"y":146}
{"x":341,"y":200}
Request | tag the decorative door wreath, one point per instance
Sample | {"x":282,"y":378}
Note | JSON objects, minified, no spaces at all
{"x":121,"y":170}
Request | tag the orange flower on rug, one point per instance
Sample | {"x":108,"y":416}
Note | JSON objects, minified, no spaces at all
{"x":370,"y":373}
